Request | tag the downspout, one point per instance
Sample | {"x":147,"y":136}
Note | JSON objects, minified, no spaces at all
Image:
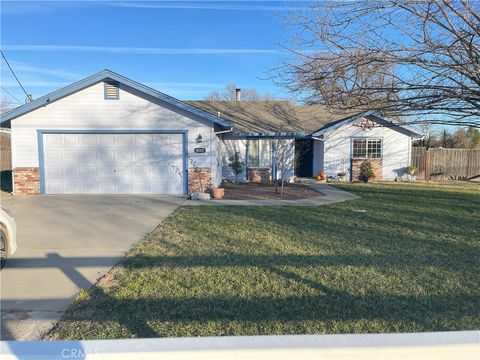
{"x":223,"y":131}
{"x":246,"y":159}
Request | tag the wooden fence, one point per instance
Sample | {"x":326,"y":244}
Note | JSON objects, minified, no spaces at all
{"x":5,"y":151}
{"x":441,"y":164}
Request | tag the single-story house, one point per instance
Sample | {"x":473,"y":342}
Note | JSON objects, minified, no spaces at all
{"x":107,"y":134}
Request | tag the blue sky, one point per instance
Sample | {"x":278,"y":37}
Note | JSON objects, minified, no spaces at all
{"x":183,"y":48}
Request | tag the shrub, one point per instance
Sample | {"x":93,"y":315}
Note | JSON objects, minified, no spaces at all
{"x":366,"y":171}
{"x":341,"y":174}
{"x":236,"y":164}
{"x":410,"y":170}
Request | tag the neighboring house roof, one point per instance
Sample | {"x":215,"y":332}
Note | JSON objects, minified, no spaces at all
{"x":371,"y":115}
{"x":269,"y":116}
{"x":103,"y":76}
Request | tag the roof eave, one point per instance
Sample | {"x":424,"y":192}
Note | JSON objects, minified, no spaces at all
{"x":101,"y":76}
{"x":270,"y":134}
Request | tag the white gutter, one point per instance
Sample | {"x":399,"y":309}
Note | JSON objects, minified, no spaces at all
{"x":223,"y":131}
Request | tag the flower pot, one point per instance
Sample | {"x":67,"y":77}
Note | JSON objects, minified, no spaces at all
{"x":218,"y":193}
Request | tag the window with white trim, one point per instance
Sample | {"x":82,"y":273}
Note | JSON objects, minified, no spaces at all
{"x":367,"y":148}
{"x":259,"y":153}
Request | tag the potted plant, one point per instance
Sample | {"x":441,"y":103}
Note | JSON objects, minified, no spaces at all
{"x":218,"y":193}
{"x":342,"y":176}
{"x":236,"y":164}
{"x":366,"y":171}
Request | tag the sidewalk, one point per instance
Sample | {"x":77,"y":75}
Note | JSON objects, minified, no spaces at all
{"x":329,"y":195}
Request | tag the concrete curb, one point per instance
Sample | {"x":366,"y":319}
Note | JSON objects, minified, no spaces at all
{"x":330,"y":195}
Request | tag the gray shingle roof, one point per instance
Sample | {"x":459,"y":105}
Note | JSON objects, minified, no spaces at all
{"x":269,"y":116}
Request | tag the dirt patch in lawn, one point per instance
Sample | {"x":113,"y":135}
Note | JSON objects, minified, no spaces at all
{"x":253,"y":191}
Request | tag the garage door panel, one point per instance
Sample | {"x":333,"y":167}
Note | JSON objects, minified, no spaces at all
{"x":106,"y":171}
{"x":71,"y":155}
{"x":73,"y":187}
{"x":106,"y":155}
{"x":71,"y":171}
{"x":55,"y":172}
{"x":89,"y":171}
{"x":87,"y":155}
{"x":88,"y":139}
{"x":71,"y":140}
{"x":113,"y":163}
{"x":53,"y":154}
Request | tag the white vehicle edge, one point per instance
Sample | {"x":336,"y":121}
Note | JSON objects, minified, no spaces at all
{"x":8,"y":236}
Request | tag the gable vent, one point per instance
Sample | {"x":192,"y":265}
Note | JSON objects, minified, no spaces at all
{"x":112,"y":91}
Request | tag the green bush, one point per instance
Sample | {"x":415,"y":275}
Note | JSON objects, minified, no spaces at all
{"x":236,"y":164}
{"x":366,"y":171}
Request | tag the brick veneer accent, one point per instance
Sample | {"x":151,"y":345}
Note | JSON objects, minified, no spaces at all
{"x":377,"y":169}
{"x":199,"y":179}
{"x":258,"y":175}
{"x":26,"y":180}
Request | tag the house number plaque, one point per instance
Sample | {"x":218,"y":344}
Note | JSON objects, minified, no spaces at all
{"x":199,"y":150}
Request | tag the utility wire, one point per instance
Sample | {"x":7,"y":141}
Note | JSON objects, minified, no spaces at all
{"x":13,"y":96}
{"x":15,"y":76}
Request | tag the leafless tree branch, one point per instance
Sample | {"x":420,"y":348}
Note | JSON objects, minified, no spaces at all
{"x":418,"y":60}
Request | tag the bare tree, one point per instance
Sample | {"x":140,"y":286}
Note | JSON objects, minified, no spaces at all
{"x":416,"y":59}
{"x":5,"y":106}
{"x":230,"y":94}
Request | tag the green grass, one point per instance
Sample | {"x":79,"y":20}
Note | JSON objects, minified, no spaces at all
{"x":408,"y":263}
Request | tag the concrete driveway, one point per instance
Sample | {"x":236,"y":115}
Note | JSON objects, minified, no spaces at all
{"x":66,"y":243}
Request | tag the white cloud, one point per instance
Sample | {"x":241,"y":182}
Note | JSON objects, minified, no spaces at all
{"x":41,"y":7}
{"x":216,"y":5}
{"x":26,"y":69}
{"x":136,"y":50}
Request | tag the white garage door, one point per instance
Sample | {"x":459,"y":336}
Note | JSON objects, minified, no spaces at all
{"x":113,"y":163}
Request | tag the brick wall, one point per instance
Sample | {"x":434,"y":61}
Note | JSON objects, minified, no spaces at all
{"x":377,"y":169}
{"x":257,"y":175}
{"x":26,"y":181}
{"x":199,"y":179}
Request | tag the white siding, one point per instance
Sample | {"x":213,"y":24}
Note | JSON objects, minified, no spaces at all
{"x":337,"y":149}
{"x":230,"y":145}
{"x":286,"y":154}
{"x":88,"y":110}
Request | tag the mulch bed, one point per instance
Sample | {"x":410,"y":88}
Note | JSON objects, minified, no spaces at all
{"x":254,"y":191}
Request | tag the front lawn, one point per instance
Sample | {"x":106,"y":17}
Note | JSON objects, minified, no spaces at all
{"x":402,"y":258}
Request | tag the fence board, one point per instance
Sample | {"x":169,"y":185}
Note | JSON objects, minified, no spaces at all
{"x":441,"y":164}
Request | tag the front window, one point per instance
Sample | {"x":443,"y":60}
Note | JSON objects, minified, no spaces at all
{"x":367,"y":148}
{"x":259,"y":153}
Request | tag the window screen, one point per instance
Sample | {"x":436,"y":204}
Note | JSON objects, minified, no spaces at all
{"x":367,"y":148}
{"x":259,"y":153}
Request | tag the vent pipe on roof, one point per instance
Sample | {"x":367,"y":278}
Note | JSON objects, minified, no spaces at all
{"x":238,"y":94}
